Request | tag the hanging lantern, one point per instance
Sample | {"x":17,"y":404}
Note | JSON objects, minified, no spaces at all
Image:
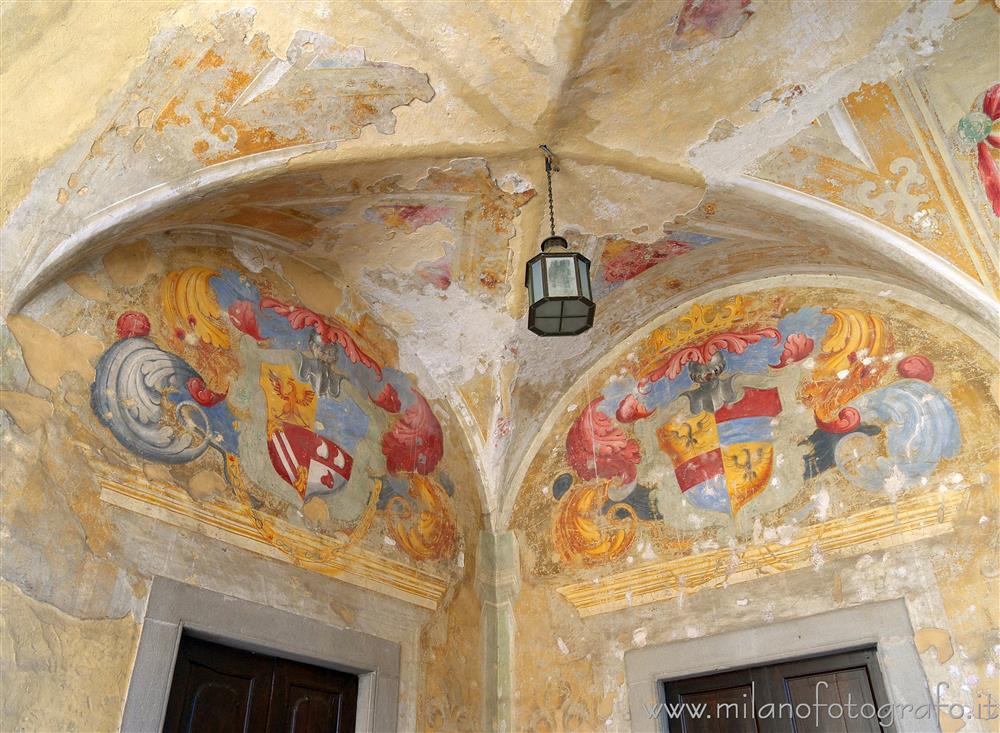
{"x":558,"y":282}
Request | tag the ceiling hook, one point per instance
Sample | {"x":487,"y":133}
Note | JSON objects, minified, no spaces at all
{"x":550,"y":157}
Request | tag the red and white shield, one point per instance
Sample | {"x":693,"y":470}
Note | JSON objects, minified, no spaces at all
{"x":309,"y":462}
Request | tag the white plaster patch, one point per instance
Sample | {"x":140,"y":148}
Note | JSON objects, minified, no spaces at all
{"x":639,"y":636}
{"x":821,"y":501}
{"x":512,"y":182}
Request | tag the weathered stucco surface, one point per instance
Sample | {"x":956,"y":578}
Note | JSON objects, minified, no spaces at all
{"x":49,"y":655}
{"x":314,"y":218}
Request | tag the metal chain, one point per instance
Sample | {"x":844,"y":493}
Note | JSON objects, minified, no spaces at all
{"x":552,"y":214}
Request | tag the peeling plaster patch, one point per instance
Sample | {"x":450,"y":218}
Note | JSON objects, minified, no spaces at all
{"x":13,"y":374}
{"x":437,"y":273}
{"x":131,"y":264}
{"x":409,"y":217}
{"x":255,"y":258}
{"x":639,"y":637}
{"x":450,"y":225}
{"x":513,"y":183}
{"x":821,"y":502}
{"x":939,"y":639}
{"x":236,"y":87}
{"x":48,"y":355}
{"x":721,"y":130}
{"x":235,"y":102}
{"x":315,"y":288}
{"x":463,"y":329}
{"x":29,"y":413}
{"x":87,"y":286}
{"x":49,"y":655}
{"x":206,"y":484}
{"x":906,"y":40}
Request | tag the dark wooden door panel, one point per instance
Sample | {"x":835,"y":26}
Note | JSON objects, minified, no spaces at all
{"x":309,"y":712}
{"x":217,"y":689}
{"x":719,"y":703}
{"x":834,"y":701}
{"x":838,"y":693}
{"x":725,"y":710}
{"x":312,"y":700}
{"x":843,"y":692}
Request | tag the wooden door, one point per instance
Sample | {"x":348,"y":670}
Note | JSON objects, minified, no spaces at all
{"x":720,"y":703}
{"x":838,"y":693}
{"x":217,"y":689}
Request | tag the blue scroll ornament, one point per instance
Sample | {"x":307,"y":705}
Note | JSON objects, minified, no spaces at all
{"x":136,"y":396}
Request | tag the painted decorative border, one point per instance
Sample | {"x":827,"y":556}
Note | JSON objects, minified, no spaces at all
{"x":908,"y":520}
{"x":226,"y":522}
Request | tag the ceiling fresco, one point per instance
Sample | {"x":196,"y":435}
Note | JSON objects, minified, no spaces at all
{"x":762,"y":453}
{"x":871,"y":154}
{"x":409,"y":174}
{"x":263,"y":293}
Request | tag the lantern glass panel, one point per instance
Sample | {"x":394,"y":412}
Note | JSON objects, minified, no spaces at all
{"x":550,"y":309}
{"x":572,"y":308}
{"x":548,"y":325}
{"x":584,"y":278}
{"x":572,"y":325}
{"x":561,"y":276}
{"x":536,"y":281}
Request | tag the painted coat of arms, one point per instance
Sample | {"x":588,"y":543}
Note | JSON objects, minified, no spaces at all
{"x":725,"y":416}
{"x":722,"y":459}
{"x":313,"y":430}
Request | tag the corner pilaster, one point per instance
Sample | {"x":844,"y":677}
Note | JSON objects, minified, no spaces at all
{"x":498,"y":582}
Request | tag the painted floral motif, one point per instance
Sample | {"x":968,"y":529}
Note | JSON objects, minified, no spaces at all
{"x":241,"y":315}
{"x":978,"y":127}
{"x":797,"y":347}
{"x":701,"y":21}
{"x":299,"y":410}
{"x":409,"y":217}
{"x":623,"y":259}
{"x":596,"y":447}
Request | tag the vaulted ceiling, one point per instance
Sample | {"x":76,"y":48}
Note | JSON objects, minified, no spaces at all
{"x":393,"y":148}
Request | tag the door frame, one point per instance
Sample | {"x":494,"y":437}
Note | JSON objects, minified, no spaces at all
{"x":174,"y":608}
{"x":884,"y":625}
